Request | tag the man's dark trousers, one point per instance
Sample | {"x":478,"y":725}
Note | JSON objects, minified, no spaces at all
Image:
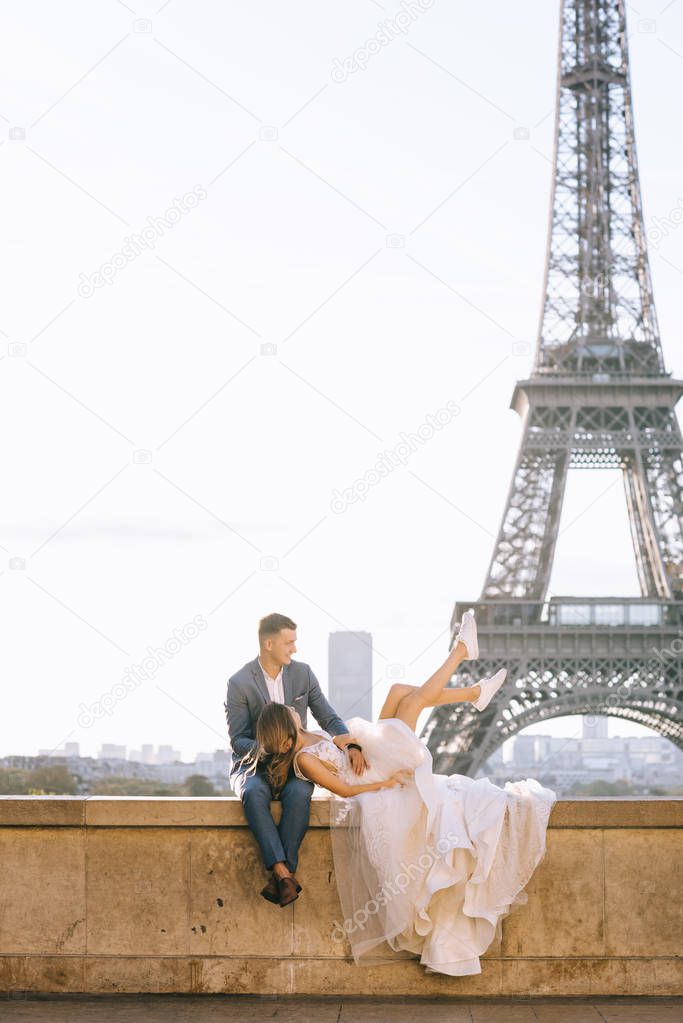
{"x":277,"y":842}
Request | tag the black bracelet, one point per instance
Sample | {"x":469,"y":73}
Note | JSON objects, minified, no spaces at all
{"x":354,"y":745}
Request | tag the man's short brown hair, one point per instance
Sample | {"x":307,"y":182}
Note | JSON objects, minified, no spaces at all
{"x":272,"y":624}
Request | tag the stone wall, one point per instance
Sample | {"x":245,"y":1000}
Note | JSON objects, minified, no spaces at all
{"x":127,"y":894}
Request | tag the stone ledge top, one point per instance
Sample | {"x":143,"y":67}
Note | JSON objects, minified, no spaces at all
{"x":226,"y":811}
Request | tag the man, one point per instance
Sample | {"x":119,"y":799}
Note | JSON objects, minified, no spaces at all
{"x":273,"y":675}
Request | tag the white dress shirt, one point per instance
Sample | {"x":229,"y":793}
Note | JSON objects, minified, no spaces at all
{"x":275,"y":686}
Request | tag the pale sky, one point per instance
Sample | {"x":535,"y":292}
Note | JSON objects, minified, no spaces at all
{"x":384,"y":229}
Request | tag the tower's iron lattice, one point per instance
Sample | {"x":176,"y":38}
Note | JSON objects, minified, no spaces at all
{"x":598,"y":396}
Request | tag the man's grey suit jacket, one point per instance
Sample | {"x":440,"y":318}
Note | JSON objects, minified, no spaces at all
{"x":248,"y":694}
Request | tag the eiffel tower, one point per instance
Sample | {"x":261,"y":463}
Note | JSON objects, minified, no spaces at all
{"x":598,"y":396}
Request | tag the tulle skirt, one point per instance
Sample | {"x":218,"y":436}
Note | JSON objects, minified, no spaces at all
{"x":432,"y":868}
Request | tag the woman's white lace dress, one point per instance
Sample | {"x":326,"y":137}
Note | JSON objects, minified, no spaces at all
{"x":431,"y":868}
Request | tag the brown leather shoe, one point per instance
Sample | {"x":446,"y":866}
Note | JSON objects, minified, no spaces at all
{"x":288,"y":890}
{"x":271,"y":892}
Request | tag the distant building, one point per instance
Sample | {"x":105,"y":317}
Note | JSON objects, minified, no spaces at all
{"x":350,"y":674}
{"x":214,"y":765}
{"x":167,"y":755}
{"x":71,"y":749}
{"x":110,"y":751}
{"x":524,"y":754}
{"x":594,"y":727}
{"x":144,"y":755}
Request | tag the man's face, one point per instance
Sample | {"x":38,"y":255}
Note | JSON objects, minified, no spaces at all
{"x":283,"y":645}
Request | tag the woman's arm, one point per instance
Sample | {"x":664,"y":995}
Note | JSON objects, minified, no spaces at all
{"x":315,"y":771}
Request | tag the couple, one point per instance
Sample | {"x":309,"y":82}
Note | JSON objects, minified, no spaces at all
{"x":426,"y":864}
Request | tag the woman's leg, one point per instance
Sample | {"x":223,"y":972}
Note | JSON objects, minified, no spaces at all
{"x":394,"y":697}
{"x":412,"y":703}
{"x":459,"y":695}
{"x":400,"y":689}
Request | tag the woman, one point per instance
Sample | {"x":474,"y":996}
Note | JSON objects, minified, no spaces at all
{"x":426,"y":864}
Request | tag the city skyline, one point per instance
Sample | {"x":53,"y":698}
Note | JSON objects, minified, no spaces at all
{"x":612,"y":725}
{"x":636,"y":761}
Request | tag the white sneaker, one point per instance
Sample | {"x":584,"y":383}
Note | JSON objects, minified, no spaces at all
{"x":488,"y":687}
{"x":467,"y":634}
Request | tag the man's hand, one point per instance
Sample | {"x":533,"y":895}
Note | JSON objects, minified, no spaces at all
{"x":358,"y":761}
{"x":356,"y":758}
